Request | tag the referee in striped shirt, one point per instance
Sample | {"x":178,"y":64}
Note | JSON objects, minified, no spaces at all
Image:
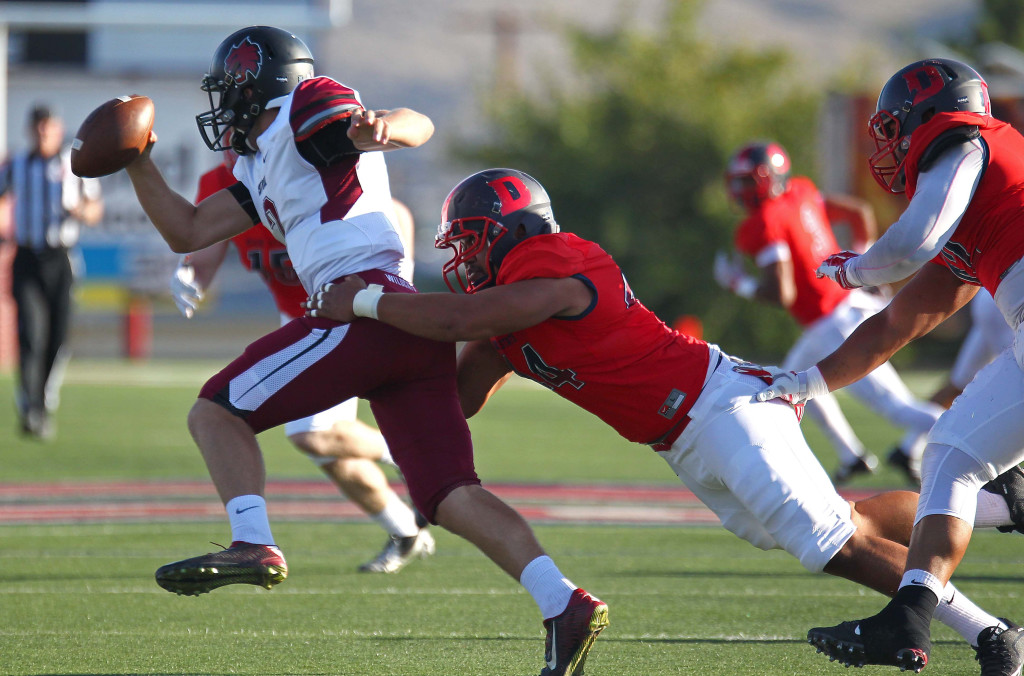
{"x":49,"y":203}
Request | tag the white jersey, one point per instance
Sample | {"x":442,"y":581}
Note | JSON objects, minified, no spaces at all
{"x":334,"y":220}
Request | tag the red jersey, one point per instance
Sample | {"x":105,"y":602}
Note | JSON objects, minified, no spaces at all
{"x":990,"y":235}
{"x":616,"y":359}
{"x":797,"y":219}
{"x":259,"y":251}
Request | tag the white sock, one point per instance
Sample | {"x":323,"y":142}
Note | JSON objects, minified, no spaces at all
{"x":959,"y":613}
{"x":992,"y":511}
{"x":249,"y":522}
{"x":549,"y":588}
{"x":396,"y":518}
{"x":922,"y":578}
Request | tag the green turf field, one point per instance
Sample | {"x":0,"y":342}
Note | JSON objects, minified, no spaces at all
{"x":80,"y":599}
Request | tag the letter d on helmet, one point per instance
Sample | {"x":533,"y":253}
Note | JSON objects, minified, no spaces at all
{"x":909,"y":99}
{"x":496,"y":209}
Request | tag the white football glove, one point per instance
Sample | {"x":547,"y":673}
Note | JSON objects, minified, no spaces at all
{"x":795,"y":387}
{"x":185,"y":290}
{"x":836,"y":268}
{"x":729,"y":274}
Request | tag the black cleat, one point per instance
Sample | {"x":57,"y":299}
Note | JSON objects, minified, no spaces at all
{"x":897,"y":637}
{"x":862,"y":465}
{"x":899,"y":459}
{"x":241,"y":563}
{"x":1010,"y":485}
{"x":1001,"y":651}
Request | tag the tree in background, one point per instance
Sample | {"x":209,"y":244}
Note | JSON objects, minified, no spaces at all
{"x":1001,"y":21}
{"x":633,"y":149}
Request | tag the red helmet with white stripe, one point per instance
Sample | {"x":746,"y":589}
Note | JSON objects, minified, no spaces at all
{"x":757,"y":172}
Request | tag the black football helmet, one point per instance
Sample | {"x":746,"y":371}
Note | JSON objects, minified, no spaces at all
{"x":250,"y":68}
{"x":909,"y":99}
{"x":757,"y":172}
{"x":498,"y":209}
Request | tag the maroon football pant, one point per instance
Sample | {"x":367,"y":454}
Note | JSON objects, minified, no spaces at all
{"x":310,"y":365}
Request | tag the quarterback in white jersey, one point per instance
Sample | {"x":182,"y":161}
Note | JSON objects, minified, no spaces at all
{"x":310,"y":171}
{"x":328,"y":233}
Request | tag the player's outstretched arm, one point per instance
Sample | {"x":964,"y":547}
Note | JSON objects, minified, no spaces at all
{"x":454,"y":317}
{"x":389,"y":129}
{"x":184,"y":226}
{"x":927,"y":300}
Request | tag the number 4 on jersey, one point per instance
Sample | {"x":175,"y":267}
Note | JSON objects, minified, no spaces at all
{"x":549,"y":376}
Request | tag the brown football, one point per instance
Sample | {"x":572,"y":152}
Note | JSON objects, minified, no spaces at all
{"x":112,"y":136}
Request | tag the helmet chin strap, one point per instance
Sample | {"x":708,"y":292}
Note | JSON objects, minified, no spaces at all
{"x":241,"y":137}
{"x":240,"y":143}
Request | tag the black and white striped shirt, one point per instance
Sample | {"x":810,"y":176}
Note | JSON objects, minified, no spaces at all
{"x":44,"y":189}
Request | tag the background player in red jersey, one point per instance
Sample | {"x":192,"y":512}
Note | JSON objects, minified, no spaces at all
{"x":963,"y":228}
{"x":556,"y":309}
{"x":786,"y":233}
{"x":311,"y":169}
{"x":346,"y":449}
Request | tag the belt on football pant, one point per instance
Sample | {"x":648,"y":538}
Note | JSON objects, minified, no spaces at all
{"x":666,"y":440}
{"x":669,"y":438}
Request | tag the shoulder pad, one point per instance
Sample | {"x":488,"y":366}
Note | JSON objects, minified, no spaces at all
{"x":317,"y":103}
{"x":944,"y":141}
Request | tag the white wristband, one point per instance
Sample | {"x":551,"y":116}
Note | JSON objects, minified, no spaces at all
{"x":364,"y":303}
{"x":816,"y":385}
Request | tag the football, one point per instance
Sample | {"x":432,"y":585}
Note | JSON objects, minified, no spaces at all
{"x":112,"y":136}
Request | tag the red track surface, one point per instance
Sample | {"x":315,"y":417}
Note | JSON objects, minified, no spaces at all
{"x":113,"y":501}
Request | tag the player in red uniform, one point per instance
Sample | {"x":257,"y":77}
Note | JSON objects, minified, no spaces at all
{"x":963,"y":171}
{"x":556,"y":309}
{"x":786,"y":233}
{"x":311,"y":169}
{"x":346,"y":449}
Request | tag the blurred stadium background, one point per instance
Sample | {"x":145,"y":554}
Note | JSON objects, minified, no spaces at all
{"x":626,"y":111}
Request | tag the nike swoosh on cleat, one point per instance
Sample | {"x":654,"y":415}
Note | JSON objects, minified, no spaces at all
{"x":552,"y":662}
{"x":239,"y":511}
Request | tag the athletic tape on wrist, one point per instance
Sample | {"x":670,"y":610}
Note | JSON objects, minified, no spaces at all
{"x":816,"y":385}
{"x":364,"y":303}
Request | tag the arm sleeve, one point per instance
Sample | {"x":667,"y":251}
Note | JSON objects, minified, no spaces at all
{"x":241,"y":194}
{"x":328,"y":144}
{"x":943,"y":194}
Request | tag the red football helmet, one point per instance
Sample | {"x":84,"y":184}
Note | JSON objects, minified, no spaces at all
{"x":495,"y":208}
{"x":909,"y":99}
{"x":757,"y":172}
